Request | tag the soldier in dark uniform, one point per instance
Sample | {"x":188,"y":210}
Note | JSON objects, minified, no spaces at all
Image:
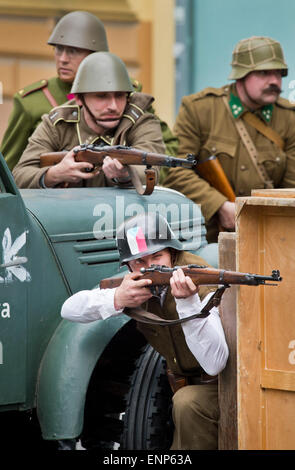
{"x":75,"y":36}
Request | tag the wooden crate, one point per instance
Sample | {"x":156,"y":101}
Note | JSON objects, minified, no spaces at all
{"x":266,"y":322}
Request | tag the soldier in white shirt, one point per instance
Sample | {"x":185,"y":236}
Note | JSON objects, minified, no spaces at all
{"x":195,"y":351}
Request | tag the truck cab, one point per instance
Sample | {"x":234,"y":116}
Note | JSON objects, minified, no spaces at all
{"x":65,"y":381}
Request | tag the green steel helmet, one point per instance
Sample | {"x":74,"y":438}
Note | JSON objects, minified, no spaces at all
{"x":80,"y":29}
{"x":101,"y":72}
{"x":143,"y":235}
{"x":257,"y":53}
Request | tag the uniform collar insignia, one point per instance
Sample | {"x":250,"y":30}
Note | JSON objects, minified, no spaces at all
{"x":237,"y":108}
{"x":266,"y":112}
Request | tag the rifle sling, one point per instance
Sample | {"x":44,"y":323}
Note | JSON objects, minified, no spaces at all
{"x":268,"y":132}
{"x":142,"y":316}
{"x":251,"y":149}
{"x":150,"y":175}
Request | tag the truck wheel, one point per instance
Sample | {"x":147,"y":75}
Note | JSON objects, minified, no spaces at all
{"x":147,"y":422}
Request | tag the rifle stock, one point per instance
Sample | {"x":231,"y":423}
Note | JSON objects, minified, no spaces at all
{"x":212,"y":171}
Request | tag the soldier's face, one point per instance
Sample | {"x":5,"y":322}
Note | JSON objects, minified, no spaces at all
{"x":263,"y":87}
{"x":67,"y":60}
{"x":107,"y":108}
{"x":162,"y":258}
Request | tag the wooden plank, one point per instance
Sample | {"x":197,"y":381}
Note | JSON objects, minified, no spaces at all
{"x":285,"y":192}
{"x":227,"y":384}
{"x":119,"y":10}
{"x":26,"y":37}
{"x":278,"y":380}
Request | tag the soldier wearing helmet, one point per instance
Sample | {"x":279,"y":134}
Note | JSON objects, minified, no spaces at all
{"x":105,"y":111}
{"x":246,"y":124}
{"x":195,"y":350}
{"x":76,"y":35}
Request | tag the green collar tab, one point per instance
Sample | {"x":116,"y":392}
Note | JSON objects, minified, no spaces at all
{"x":237,"y":108}
{"x":266,"y":112}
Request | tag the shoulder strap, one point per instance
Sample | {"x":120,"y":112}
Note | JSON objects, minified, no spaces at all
{"x":268,"y":132}
{"x":247,"y":141}
{"x":49,"y":96}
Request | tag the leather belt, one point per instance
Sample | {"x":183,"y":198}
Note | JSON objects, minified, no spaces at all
{"x":178,"y":381}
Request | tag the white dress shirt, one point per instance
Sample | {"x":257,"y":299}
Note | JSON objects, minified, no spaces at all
{"x":204,"y":336}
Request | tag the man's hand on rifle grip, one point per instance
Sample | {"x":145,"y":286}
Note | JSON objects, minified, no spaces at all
{"x":68,"y":171}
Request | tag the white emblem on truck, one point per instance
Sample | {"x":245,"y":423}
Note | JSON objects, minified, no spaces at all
{"x":11,"y":262}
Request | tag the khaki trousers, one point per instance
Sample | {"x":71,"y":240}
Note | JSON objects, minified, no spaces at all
{"x":195,"y":415}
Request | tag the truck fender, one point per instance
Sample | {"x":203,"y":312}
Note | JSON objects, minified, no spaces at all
{"x":65,"y":371}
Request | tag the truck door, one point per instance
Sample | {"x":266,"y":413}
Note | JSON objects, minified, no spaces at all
{"x":14,"y":282}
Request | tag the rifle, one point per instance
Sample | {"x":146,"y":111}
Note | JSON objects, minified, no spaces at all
{"x":212,"y":171}
{"x":127,"y":156}
{"x":200,"y":275}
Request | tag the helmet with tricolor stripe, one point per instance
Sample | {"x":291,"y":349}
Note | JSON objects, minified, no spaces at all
{"x":143,"y":235}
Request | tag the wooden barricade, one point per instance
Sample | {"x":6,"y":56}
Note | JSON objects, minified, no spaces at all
{"x":265,"y":328}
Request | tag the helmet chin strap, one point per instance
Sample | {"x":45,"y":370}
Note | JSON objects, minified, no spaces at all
{"x":92,"y":117}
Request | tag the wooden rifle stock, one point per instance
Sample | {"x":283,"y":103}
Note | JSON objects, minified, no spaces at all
{"x":212,"y":171}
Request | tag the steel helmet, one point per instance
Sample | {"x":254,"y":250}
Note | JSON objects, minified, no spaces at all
{"x":143,"y":235}
{"x":80,"y":29}
{"x":101,"y":72}
{"x":257,"y":53}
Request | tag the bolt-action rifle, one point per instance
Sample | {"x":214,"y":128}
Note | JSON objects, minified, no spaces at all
{"x":200,"y":275}
{"x":128,"y":156}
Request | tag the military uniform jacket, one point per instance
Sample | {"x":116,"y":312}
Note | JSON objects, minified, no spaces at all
{"x":29,"y":104}
{"x":204,"y":126}
{"x":65,"y":128}
{"x":169,"y":341}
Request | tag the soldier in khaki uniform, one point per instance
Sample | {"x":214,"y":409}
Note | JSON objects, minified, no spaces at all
{"x":105,"y":111}
{"x":75,"y":36}
{"x":195,"y":351}
{"x":259,"y":154}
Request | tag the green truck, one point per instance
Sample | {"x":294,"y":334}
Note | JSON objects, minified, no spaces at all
{"x":64,"y":384}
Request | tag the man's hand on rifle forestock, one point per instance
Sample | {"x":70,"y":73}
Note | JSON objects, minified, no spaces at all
{"x":68,"y":171}
{"x":132,"y":292}
{"x":182,"y":286}
{"x":113,"y":169}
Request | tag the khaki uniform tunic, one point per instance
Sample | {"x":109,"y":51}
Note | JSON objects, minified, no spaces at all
{"x":65,"y":128}
{"x":29,"y":105}
{"x":195,"y":407}
{"x":169,"y":341}
{"x":204,"y":126}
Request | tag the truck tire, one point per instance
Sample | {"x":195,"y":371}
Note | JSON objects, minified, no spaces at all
{"x":147,"y":422}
